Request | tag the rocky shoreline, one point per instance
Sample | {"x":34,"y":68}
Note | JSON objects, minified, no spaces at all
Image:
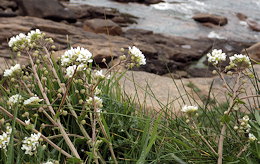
{"x":101,"y":30}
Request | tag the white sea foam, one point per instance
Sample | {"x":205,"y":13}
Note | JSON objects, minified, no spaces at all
{"x":213,"y":34}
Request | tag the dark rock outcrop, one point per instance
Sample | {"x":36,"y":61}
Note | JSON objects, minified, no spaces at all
{"x":210,"y":18}
{"x":51,"y":9}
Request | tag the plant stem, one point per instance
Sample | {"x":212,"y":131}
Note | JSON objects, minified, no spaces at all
{"x":63,"y":132}
{"x":204,"y":139}
{"x":223,"y":130}
{"x":35,"y":131}
{"x":70,"y":107}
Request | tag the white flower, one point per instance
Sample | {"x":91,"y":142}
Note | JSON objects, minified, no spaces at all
{"x":98,"y":101}
{"x":14,"y":69}
{"x":15,"y":99}
{"x":239,"y":60}
{"x":8,"y":130}
{"x":27,"y":122}
{"x":5,"y":138}
{"x":70,"y":70}
{"x":245,"y":118}
{"x":216,"y":56}
{"x":18,"y":38}
{"x":34,"y":33}
{"x":99,"y":75}
{"x":137,"y":56}
{"x":33,"y":100}
{"x":251,"y":137}
{"x":31,"y":143}
{"x":74,"y":55}
{"x":189,"y":109}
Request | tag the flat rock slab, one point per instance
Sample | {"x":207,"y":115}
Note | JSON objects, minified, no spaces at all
{"x":163,"y":94}
{"x":210,"y":18}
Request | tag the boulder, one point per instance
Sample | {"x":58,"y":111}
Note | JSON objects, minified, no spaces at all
{"x":253,"y":52}
{"x":102,"y":26}
{"x":210,"y":18}
{"x":51,"y":9}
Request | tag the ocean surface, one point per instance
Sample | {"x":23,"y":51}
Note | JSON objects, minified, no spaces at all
{"x":174,"y":17}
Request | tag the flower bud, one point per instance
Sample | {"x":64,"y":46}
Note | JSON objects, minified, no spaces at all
{"x":82,"y":91}
{"x":81,"y":101}
{"x":64,"y":113}
{"x":214,"y":72}
{"x":83,"y":122}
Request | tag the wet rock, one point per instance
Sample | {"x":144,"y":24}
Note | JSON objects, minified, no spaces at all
{"x":51,"y":9}
{"x":253,"y":25}
{"x":199,"y":72}
{"x":210,"y":18}
{"x":102,"y":26}
{"x":241,"y":16}
{"x":141,"y":1}
{"x":253,"y":52}
{"x":84,"y":12}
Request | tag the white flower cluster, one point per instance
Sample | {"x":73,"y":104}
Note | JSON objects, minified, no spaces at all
{"x":32,"y":100}
{"x":189,"y":109}
{"x":239,"y":60}
{"x":31,"y":143}
{"x":137,"y":56}
{"x":98,"y":101}
{"x":14,"y":69}
{"x":216,"y":56}
{"x":21,"y":39}
{"x":32,"y":35}
{"x":5,"y":138}
{"x":16,"y":39}
{"x":76,"y":59}
{"x":14,"y":99}
{"x":244,"y":126}
{"x":74,"y":55}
